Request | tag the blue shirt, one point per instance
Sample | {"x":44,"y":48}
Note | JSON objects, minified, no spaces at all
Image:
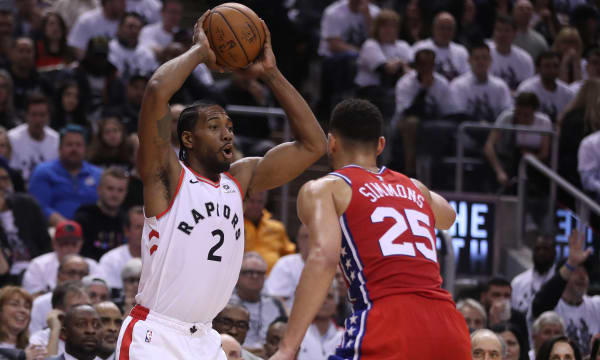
{"x":58,"y":191}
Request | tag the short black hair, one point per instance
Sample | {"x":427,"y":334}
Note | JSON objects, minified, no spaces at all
{"x":60,"y":292}
{"x":187,"y":121}
{"x":507,"y":20}
{"x":478,"y":45}
{"x":425,"y":51}
{"x":546,"y":55}
{"x":73,"y":129}
{"x":357,"y":120}
{"x":546,"y":348}
{"x":281,"y":319}
{"x":527,"y":99}
{"x":134,"y":15}
{"x":496,"y":281}
{"x":36,"y":98}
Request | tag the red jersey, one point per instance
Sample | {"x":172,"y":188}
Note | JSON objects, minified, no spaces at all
{"x":388,"y":238}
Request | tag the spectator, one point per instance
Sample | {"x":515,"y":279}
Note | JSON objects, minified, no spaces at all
{"x":285,"y":275}
{"x":33,"y":142}
{"x":28,"y":16}
{"x":96,"y":289}
{"x":110,"y":146}
{"x":322,"y":336}
{"x":52,"y":51}
{"x":8,"y":117}
{"x":158,"y":35}
{"x":592,"y":69}
{"x":569,"y":46}
{"x":102,"y":222}
{"x":263,"y":308}
{"x":22,"y":226}
{"x":381,"y":61}
{"x":234,"y":320}
{"x":516,"y":342}
{"x":566,"y":292}
{"x":503,"y":151}
{"x":41,"y":275}
{"x":411,"y":29}
{"x":5,"y":148}
{"x":263,"y":234}
{"x":148,"y":9}
{"x":559,"y":348}
{"x":64,"y":297}
{"x":130,"y":276}
{"x":485,"y":344}
{"x":527,"y":38}
{"x":112,"y":319}
{"x":547,"y":326}
{"x":63,"y":185}
{"x":470,"y":31}
{"x":98,"y":22}
{"x":113,"y":262}
{"x":528,"y":283}
{"x":130,"y":109}
{"x":231,"y":347}
{"x":588,"y":164}
{"x":489,"y":11}
{"x":474,"y":314}
{"x":80,"y":330}
{"x":7,"y":29}
{"x":69,"y":106}
{"x":510,"y":63}
{"x":585,"y":19}
{"x":71,"y":10}
{"x":451,"y":59}
{"x":274,"y":335}
{"x":552,"y":93}
{"x":126,"y":53}
{"x":26,"y":79}
{"x":544,"y":19}
{"x":477,"y":94}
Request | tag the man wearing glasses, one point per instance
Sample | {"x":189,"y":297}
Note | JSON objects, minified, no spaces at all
{"x":234,"y":320}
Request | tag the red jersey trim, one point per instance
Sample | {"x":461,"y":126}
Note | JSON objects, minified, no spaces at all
{"x":174,"y":196}
{"x":204,"y":179}
{"x":237,"y":183}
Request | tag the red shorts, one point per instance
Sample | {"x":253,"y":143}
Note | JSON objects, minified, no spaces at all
{"x":406,"y":327}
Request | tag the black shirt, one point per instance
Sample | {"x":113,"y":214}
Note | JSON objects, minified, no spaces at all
{"x":101,"y":232}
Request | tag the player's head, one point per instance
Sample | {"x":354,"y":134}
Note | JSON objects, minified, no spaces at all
{"x":356,"y":126}
{"x":205,"y":134}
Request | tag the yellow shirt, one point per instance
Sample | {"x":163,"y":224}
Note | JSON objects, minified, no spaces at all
{"x":269,"y":239}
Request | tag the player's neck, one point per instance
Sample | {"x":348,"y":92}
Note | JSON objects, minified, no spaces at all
{"x":365,"y":162}
{"x":195,"y":165}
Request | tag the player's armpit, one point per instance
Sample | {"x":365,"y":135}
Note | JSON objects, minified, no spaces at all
{"x":443,"y":213}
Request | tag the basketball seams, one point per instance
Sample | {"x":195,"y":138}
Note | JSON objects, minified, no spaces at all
{"x":212,"y":42}
{"x":234,"y":35}
{"x":260,"y":38}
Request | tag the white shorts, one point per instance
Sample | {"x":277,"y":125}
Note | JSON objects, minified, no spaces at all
{"x":147,"y":335}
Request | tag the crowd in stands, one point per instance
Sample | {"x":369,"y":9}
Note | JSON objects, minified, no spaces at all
{"x":72,"y":79}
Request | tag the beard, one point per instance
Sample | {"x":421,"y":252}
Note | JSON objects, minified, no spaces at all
{"x":216,"y":166}
{"x":542,"y":267}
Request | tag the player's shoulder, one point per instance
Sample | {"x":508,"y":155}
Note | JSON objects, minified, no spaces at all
{"x":327,"y":183}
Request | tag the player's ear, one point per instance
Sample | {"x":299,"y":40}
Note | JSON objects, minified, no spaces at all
{"x":186,"y":138}
{"x":380,"y":145}
{"x":331,"y":143}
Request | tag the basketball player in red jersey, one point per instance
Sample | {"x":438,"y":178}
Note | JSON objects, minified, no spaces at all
{"x":193,"y":236}
{"x":379,"y":226}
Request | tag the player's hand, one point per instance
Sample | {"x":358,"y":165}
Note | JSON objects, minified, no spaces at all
{"x":54,"y":319}
{"x":265,"y":64}
{"x":199,"y":38}
{"x":577,"y":254}
{"x":35,"y":352}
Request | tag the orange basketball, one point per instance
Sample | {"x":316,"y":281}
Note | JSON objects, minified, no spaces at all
{"x":235,"y":34}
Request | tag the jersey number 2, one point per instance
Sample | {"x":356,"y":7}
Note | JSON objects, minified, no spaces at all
{"x":211,"y":253}
{"x":415,"y":218}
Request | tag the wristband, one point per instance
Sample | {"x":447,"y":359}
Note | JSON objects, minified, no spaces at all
{"x":569,"y":267}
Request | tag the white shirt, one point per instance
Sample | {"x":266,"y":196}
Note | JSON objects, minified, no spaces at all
{"x":42,"y":338}
{"x":71,"y":10}
{"x":149,"y":9}
{"x":27,"y":152}
{"x":588,"y":162}
{"x":112,"y":264}
{"x":525,"y":286}
{"x":339,"y":22}
{"x":374,"y":54}
{"x":42,"y":271}
{"x":551,"y":102}
{"x":316,"y":346}
{"x":155,"y":36}
{"x":40,"y":308}
{"x":581,"y":322}
{"x":262,"y":313}
{"x":284,"y":277}
{"x":482,"y":101}
{"x":438,"y":97}
{"x":513,"y":68}
{"x":138,"y":61}
{"x":450,"y":61}
{"x":91,"y":24}
{"x":575,"y":86}
{"x":20,"y":253}
{"x":523,"y":139}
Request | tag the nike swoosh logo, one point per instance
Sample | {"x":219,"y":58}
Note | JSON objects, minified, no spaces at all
{"x":194,"y":181}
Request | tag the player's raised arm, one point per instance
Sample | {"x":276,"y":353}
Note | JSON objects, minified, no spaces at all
{"x":157,"y":162}
{"x":288,"y":160}
{"x":442,"y":211}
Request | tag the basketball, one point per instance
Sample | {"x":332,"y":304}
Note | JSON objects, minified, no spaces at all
{"x":235,"y":34}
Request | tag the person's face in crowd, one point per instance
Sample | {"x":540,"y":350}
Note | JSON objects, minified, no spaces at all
{"x":562,"y":351}
{"x":274,"y":335}
{"x":474,"y":318}
{"x":172,"y":14}
{"x":114,"y":8}
{"x":15,"y":314}
{"x":97,"y":293}
{"x":171,"y":51}
{"x":53,"y":30}
{"x":549,"y":68}
{"x":75,"y":298}
{"x":494,"y":294}
{"x":504,"y":34}
{"x":524,"y":115}
{"x":67,"y":246}
{"x":72,"y":149}
{"x":486,"y":347}
{"x":578,"y":283}
{"x":37,"y":116}
{"x":388,"y":32}
{"x":23,"y":54}
{"x":112,"y":133}
{"x":25,"y":6}
{"x":480,"y":60}
{"x":302,"y":241}
{"x":569,"y":43}
{"x":133,"y":232}
{"x":544,"y":254}
{"x":81,"y":332}
{"x":7,"y":23}
{"x":6,"y":185}
{"x":522,"y":12}
{"x":412,"y":10}
{"x":255,"y":205}
{"x":469,"y":12}
{"x":547,"y":332}
{"x":3,"y":90}
{"x":129,"y":31}
{"x":252,"y":275}
{"x":70,"y":98}
{"x":74,"y":269}
{"x":424,"y":64}
{"x":513,"y":348}
{"x":232,"y":349}
{"x":135,"y":91}
{"x":111,"y":319}
{"x":328,"y":308}
{"x":131,"y":284}
{"x":444,"y":29}
{"x":112,"y":192}
{"x":233,"y":321}
{"x":593,"y":66}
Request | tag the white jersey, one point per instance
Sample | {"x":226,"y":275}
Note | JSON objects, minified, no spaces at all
{"x":192,"y":252}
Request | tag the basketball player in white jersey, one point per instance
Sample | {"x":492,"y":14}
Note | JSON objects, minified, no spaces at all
{"x":193,"y":238}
